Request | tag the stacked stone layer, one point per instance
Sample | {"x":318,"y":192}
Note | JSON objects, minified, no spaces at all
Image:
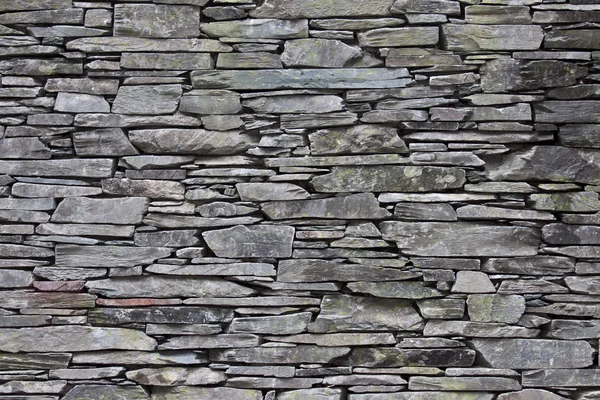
{"x":286,"y":199}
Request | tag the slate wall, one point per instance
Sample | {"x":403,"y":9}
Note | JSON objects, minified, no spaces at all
{"x":299,"y":199}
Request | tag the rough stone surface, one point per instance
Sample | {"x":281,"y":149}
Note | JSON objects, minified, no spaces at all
{"x":251,"y":241}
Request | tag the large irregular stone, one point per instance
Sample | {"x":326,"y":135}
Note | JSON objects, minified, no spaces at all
{"x":495,"y":308}
{"x":157,"y":21}
{"x":554,"y":163}
{"x":278,"y":325}
{"x":201,"y":393}
{"x":175,"y":376}
{"x":106,"y":392}
{"x":389,"y":178}
{"x":538,"y":265}
{"x":168,"y":61}
{"x":299,"y":104}
{"x":320,"y":53}
{"x":385,"y":357}
{"x":167,"y":286}
{"x":567,"y":202}
{"x":80,"y":338}
{"x":280,"y":355}
{"x":341,"y":313}
{"x":122,"y":211}
{"x":211,"y":102}
{"x":395,"y":290}
{"x":327,"y":271}
{"x":123,"y":44}
{"x":191,"y":141}
{"x":455,"y":239}
{"x":292,"y":9}
{"x":102,"y":142}
{"x":251,"y":241}
{"x":469,"y":37}
{"x":301,"y":79}
{"x":271,"y":191}
{"x":361,"y":139}
{"x":574,"y":111}
{"x":503,"y":75}
{"x":81,"y":103}
{"x":150,"y":99}
{"x":356,"y":206}
{"x":258,"y":29}
{"x":406,"y":37}
{"x":533,"y":353}
{"x":68,"y":255}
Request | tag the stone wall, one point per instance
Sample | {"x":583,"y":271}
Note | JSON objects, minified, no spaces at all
{"x":299,"y":199}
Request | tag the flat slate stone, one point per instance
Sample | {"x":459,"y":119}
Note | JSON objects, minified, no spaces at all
{"x":293,"y":9}
{"x":442,"y":308}
{"x":110,"y":142}
{"x":81,"y":103}
{"x":280,"y":355}
{"x":579,"y":135}
{"x":425,"y":212}
{"x":23,"y":299}
{"x":10,"y":279}
{"x":288,"y":324}
{"x":159,"y":315}
{"x":147,"y":100}
{"x":90,"y":168}
{"x":68,"y":255}
{"x":156,"y":21}
{"x":41,"y":67}
{"x":406,"y":37}
{"x":34,"y":360}
{"x":395,"y":290}
{"x":533,"y":353}
{"x":201,"y":393}
{"x":497,"y":15}
{"x":82,"y":85}
{"x":361,"y":139}
{"x":495,"y":308}
{"x":320,"y":53}
{"x":538,"y":394}
{"x":386,"y":357}
{"x":269,"y":79}
{"x":258,"y":29}
{"x":28,"y":148}
{"x":327,"y":271}
{"x":468,"y":38}
{"x":123,"y":211}
{"x":211,"y":102}
{"x":341,"y":313}
{"x":337,"y":339}
{"x":271,"y":191}
{"x":389,"y":178}
{"x":225,"y":341}
{"x":455,"y":239}
{"x":567,"y":329}
{"x":572,"y":39}
{"x":81,"y":338}
{"x":563,"y":234}
{"x":191,"y":141}
{"x":472,"y":282}
{"x":167,"y":61}
{"x":466,"y":383}
{"x":155,"y":189}
{"x":477,"y":329}
{"x":106,"y":392}
{"x":251,"y":241}
{"x":175,"y":376}
{"x":167,"y":286}
{"x":124,"y":44}
{"x":556,"y":111}
{"x":566,"y":202}
{"x":300,"y":104}
{"x":131,"y":357}
{"x":356,"y":206}
{"x":561,"y":377}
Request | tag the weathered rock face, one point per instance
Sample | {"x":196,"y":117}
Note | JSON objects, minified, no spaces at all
{"x":251,"y":241}
{"x":156,"y":21}
{"x":108,"y":211}
{"x":366,"y":139}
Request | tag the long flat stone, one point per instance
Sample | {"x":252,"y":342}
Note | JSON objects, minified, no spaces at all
{"x":123,"y":44}
{"x":251,"y":241}
{"x":202,"y":393}
{"x":386,"y":357}
{"x":68,"y":255}
{"x":258,"y":29}
{"x":361,"y":139}
{"x":329,"y":271}
{"x":573,"y":111}
{"x":156,"y":21}
{"x":405,"y":36}
{"x":85,"y":168}
{"x":105,"y":211}
{"x":293,"y":9}
{"x":561,"y":377}
{"x":280,"y":355}
{"x":159,"y":315}
{"x":477,"y":329}
{"x":469,"y":38}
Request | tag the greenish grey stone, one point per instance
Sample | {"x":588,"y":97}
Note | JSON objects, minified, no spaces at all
{"x":139,"y":358}
{"x":27,"y":5}
{"x":201,"y":393}
{"x":497,"y":15}
{"x":151,"y":100}
{"x":536,"y":265}
{"x":175,"y":376}
{"x":355,"y":24}
{"x":321,"y":53}
{"x":211,"y":102}
{"x":566,"y":202}
{"x":313,"y":394}
{"x":572,"y":39}
{"x":534,"y":353}
{"x":389,"y":178}
{"x":448,"y":7}
{"x":337,"y":339}
{"x":404,"y":37}
{"x":328,"y":271}
{"x":234,"y":269}
{"x":103,"y":142}
{"x":106,"y":392}
{"x":341,"y":313}
{"x":356,"y":206}
{"x":168,"y":61}
{"x":396,"y":357}
{"x":65,"y":31}
{"x":466,"y":383}
{"x":442,"y":308}
{"x":84,"y":210}
{"x":291,"y":9}
{"x":361,"y":139}
{"x":579,"y":135}
{"x":41,"y":67}
{"x":395,"y":290}
{"x":566,"y":377}
{"x":254,"y":60}
{"x":251,"y":241}
{"x":555,"y":111}
{"x":469,"y":37}
{"x":156,"y":21}
{"x":266,"y":191}
{"x":258,"y":29}
{"x":299,"y":104}
{"x":288,"y":324}
{"x":124,"y":44}
{"x":477,"y":329}
{"x":528,"y":394}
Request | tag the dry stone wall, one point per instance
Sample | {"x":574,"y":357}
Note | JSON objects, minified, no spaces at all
{"x":299,"y":199}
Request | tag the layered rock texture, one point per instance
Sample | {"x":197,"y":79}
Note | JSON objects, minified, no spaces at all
{"x":299,"y":199}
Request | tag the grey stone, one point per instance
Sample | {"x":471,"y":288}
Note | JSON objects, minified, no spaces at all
{"x":497,"y":15}
{"x":41,"y":67}
{"x":133,"y":121}
{"x":561,"y":377}
{"x":531,"y":394}
{"x":211,"y":102}
{"x":254,"y":60}
{"x":397,"y":290}
{"x":495,"y":213}
{"x":106,"y":392}
{"x":151,"y":100}
{"x":469,"y":38}
{"x":64,"y":31}
{"x":82,"y":85}
{"x":167,"y":61}
{"x":23,"y":251}
{"x":321,"y":53}
{"x":272,"y":383}
{"x":533,"y":353}
{"x":291,"y":9}
{"x":361,"y":139}
{"x":581,"y":284}
{"x":522,"y":286}
{"x":396,"y":357}
{"x":178,"y":238}
{"x":81,"y":103}
{"x":108,"y":357}
{"x":423,"y":396}
{"x":252,"y":269}
{"x":223,"y":13}
{"x":24,"y":299}
{"x":355,"y":314}
{"x":123,"y":211}
{"x":28,"y":148}
{"x":356,"y":206}
{"x":514,"y":75}
{"x":65,"y":274}
{"x":107,"y":256}
{"x":191,"y":141}
{"x":572,"y":39}
{"x":429,"y":6}
{"x":299,"y":104}
{"x":406,"y":37}
{"x":566,"y":202}
{"x":34,"y":360}
{"x":495,"y":308}
{"x":461,"y":239}
{"x":258,"y":29}
{"x":81,"y":338}
{"x":575,"y":92}
{"x":167,"y":286}
{"x":307,"y":121}
{"x":327,"y":271}
{"x":276,"y":371}
{"x":337,"y":339}
{"x":59,"y":16}
{"x":355,"y":24}
{"x":425,"y":212}
{"x":563,"y":234}
{"x":575,"y":111}
{"x":251,"y":241}
{"x":156,"y":21}
{"x":280,"y":355}
{"x":85,"y":230}
{"x":301,"y":79}
{"x":442,"y":308}
{"x":103,"y":142}
{"x":279,"y":325}
{"x":15,"y":279}
{"x":468,"y":383}
{"x":144,"y":188}
{"x":124,"y":44}
{"x":184,"y":221}
{"x":271,"y":191}
{"x":389,"y":178}
{"x":567,"y":329}
{"x":52,"y":191}
{"x":517,"y":112}
{"x":313,"y":394}
{"x":391,"y":116}
{"x":175,"y":376}
{"x":579,"y":135}
{"x":224,"y":341}
{"x":201,"y":393}
{"x":477,"y":329}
